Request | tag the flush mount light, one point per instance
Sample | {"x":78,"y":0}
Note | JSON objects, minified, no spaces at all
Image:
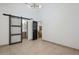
{"x":33,"y":5}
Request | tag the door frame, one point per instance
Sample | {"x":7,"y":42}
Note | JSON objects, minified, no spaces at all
{"x":36,"y":35}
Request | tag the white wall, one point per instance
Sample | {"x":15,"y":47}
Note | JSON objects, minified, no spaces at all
{"x":14,"y":9}
{"x":30,"y":32}
{"x":61,"y":23}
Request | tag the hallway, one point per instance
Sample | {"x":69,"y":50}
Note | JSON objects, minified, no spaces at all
{"x":36,"y":47}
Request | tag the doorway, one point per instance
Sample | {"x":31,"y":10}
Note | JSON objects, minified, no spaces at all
{"x":24,"y":29}
{"x":35,"y":28}
{"x":39,"y":30}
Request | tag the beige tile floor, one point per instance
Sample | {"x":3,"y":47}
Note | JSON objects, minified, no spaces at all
{"x":36,"y":47}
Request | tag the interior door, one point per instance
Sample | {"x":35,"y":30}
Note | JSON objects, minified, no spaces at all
{"x":34,"y":30}
{"x":15,"y":30}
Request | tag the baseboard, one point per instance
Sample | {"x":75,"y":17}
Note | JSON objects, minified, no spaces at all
{"x":4,"y":45}
{"x":60,"y":45}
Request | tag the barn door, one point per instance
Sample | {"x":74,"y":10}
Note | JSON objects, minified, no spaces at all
{"x":15,"y":30}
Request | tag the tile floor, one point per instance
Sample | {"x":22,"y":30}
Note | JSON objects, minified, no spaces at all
{"x":37,"y":47}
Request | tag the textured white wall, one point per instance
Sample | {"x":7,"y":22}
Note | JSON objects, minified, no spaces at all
{"x":14,"y":9}
{"x":61,"y":23}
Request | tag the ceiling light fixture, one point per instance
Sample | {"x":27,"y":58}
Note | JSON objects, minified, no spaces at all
{"x":34,"y":5}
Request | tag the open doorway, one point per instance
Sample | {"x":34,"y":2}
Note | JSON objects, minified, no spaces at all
{"x":24,"y":29}
{"x":27,"y":25}
{"x":39,"y":30}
